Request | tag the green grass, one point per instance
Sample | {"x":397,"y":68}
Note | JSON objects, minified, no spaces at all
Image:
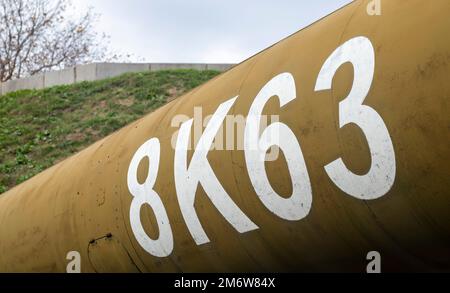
{"x":39,"y":128}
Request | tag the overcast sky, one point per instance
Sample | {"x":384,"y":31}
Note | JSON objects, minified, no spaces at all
{"x":220,"y":31}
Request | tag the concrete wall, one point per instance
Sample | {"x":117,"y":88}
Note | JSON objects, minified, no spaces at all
{"x":106,"y":70}
{"x":65,"y":76}
{"x":86,"y":72}
{"x":32,"y":82}
{"x":218,"y":66}
{"x":165,"y":66}
{"x":97,"y":71}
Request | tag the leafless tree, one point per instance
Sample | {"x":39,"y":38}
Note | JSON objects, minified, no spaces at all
{"x":38,"y":35}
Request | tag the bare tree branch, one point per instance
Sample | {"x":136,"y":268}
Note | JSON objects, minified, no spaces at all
{"x":35,"y":36}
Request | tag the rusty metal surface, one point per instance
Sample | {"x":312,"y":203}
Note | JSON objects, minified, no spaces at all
{"x":83,"y":203}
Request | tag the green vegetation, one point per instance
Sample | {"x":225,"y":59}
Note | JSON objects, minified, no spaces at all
{"x":38,"y":128}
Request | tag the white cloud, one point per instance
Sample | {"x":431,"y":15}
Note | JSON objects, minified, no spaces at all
{"x":202,"y":30}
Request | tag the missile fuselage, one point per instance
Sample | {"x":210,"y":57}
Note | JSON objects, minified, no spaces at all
{"x":328,"y":145}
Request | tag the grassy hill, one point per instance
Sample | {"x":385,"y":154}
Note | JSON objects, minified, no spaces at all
{"x":38,"y":128}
